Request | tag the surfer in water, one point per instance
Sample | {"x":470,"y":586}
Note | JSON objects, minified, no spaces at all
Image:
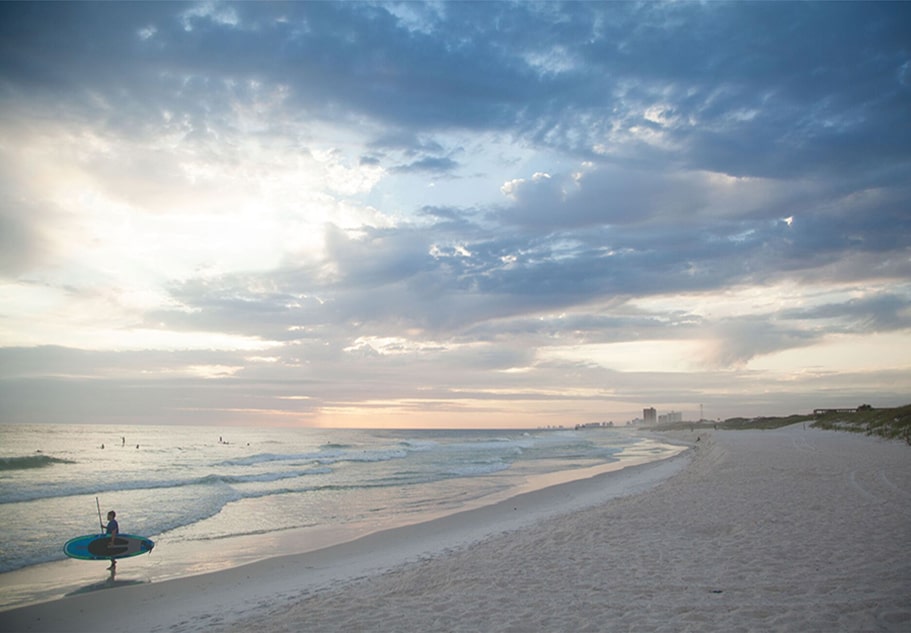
{"x":113,"y":529}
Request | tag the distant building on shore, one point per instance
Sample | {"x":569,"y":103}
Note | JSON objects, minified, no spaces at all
{"x":649,"y":416}
{"x":595,"y":425}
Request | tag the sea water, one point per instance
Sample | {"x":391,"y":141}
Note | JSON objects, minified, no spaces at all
{"x":207,"y":485}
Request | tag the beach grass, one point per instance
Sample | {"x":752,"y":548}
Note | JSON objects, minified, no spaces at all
{"x":892,"y":423}
{"x":758,"y":423}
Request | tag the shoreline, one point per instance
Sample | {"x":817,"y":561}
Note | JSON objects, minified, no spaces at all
{"x":775,"y":531}
{"x":780,"y":530}
{"x":357,"y":552}
{"x":178,"y":554}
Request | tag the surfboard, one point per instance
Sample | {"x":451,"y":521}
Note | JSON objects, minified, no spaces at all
{"x":98,"y":546}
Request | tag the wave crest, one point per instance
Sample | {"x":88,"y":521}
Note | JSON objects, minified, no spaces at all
{"x":30,"y":461}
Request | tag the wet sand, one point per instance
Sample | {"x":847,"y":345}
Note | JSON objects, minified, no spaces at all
{"x":786,"y":530}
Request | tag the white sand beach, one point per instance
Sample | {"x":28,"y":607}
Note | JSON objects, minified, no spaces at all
{"x":786,"y":530}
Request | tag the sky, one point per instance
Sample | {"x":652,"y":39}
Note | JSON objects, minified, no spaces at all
{"x":452,"y":214}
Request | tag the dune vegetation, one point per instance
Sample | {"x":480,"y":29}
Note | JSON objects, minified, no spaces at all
{"x":891,"y":423}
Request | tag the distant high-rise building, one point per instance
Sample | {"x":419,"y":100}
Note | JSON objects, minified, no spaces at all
{"x":649,"y":416}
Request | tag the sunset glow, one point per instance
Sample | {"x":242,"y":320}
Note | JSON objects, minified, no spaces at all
{"x":451,"y":214}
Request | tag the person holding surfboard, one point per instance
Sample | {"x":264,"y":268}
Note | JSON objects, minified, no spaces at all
{"x":113,"y":529}
{"x":110,"y":545}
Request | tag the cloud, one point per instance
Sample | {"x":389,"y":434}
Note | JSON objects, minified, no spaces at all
{"x":873,"y":312}
{"x":22,"y":244}
{"x":656,"y":83}
{"x":401,"y":199}
{"x":433,"y":165}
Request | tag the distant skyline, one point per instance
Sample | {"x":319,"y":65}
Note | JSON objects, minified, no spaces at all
{"x":452,"y":214}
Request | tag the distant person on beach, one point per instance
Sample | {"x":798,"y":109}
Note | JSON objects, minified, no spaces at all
{"x":113,"y":529}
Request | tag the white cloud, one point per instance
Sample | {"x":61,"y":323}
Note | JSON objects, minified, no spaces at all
{"x":394,"y":199}
{"x":663,"y":356}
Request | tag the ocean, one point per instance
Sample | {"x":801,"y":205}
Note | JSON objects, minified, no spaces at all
{"x":209,"y":487}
